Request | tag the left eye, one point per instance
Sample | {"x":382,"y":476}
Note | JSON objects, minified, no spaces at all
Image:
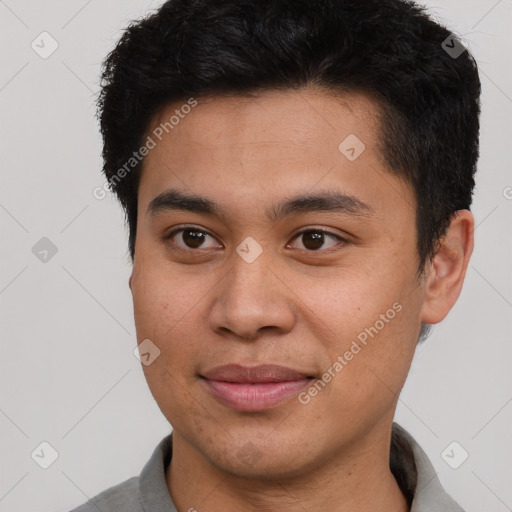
{"x":314,"y":239}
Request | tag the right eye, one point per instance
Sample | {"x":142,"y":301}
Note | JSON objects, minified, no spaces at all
{"x":189,"y":239}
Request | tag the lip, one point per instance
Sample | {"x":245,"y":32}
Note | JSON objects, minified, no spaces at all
{"x":254,"y":388}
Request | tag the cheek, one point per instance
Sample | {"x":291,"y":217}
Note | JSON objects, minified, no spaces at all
{"x":369,"y":368}
{"x":368,"y":325}
{"x":348,"y":300}
{"x":164,"y":298}
{"x":166,"y":312}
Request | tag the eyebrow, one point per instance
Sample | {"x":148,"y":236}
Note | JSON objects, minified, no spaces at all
{"x":174,"y":200}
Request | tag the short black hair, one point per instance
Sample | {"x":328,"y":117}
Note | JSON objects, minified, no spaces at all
{"x":424,"y":80}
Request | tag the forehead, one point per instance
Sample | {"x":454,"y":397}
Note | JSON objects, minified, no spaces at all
{"x":275,"y":143}
{"x":272,"y":117}
{"x":295,"y":127}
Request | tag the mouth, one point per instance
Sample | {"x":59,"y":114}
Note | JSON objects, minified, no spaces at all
{"x":256,"y":388}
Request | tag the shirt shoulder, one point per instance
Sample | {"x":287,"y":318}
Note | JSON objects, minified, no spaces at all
{"x":124,"y":496}
{"x":147,"y":492}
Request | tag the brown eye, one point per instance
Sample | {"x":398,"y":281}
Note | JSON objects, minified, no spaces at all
{"x":314,"y":239}
{"x":193,"y":239}
{"x":189,"y":238}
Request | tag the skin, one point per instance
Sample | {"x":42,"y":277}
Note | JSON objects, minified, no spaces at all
{"x":292,"y":306}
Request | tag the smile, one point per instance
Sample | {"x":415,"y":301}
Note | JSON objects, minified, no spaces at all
{"x":254,"y":388}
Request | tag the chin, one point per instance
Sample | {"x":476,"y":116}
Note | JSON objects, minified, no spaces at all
{"x":266,"y":469}
{"x":263,"y":461}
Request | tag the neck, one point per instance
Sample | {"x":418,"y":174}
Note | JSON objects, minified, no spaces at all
{"x":357,"y":479}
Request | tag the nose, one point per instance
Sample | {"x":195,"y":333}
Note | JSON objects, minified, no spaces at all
{"x":252,"y":299}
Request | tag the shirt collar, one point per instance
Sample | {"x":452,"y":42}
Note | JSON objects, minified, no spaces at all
{"x":410,"y":465}
{"x":413,"y":467}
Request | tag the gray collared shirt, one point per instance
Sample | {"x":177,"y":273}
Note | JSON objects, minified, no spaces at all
{"x":149,"y":493}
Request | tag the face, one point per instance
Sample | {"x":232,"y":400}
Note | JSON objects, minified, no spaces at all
{"x":275,"y":270}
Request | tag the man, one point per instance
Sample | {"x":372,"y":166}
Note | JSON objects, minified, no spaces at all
{"x":297,"y":177}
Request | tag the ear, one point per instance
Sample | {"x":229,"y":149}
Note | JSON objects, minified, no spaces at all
{"x":445,"y":275}
{"x":130,"y":281}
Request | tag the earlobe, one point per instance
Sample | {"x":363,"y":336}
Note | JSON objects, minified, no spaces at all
{"x":448,"y":268}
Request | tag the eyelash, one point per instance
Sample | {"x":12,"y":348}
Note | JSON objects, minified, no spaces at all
{"x":343,"y":241}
